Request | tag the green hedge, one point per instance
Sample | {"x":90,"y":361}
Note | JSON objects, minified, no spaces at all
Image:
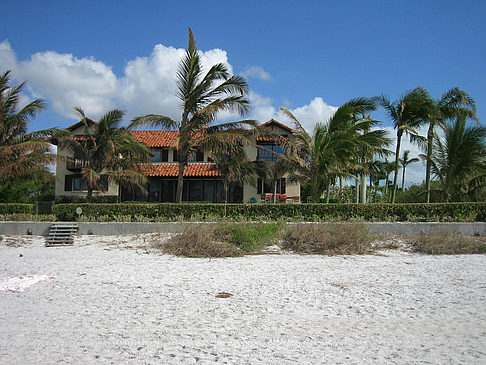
{"x":306,"y":212}
{"x":82,"y":199}
{"x":16,"y":208}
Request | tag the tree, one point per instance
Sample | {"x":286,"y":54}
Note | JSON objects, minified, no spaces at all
{"x":21,"y":153}
{"x":29,"y":188}
{"x":110,"y":151}
{"x":231,"y":161}
{"x":333,"y":146}
{"x":405,"y":161}
{"x":452,"y":104}
{"x":459,"y":160}
{"x":202,"y":98}
{"x":407,"y":112}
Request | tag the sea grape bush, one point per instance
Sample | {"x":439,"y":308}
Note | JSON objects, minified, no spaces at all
{"x":445,"y":212}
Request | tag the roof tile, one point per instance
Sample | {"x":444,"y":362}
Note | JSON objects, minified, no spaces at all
{"x":172,"y":169}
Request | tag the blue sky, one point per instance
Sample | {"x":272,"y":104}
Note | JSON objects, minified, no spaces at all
{"x":309,"y":56}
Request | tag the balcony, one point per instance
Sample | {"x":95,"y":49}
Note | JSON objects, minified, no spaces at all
{"x":76,"y":165}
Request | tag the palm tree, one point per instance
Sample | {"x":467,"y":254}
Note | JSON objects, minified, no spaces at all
{"x":21,"y":153}
{"x":275,"y":170}
{"x":407,"y":112}
{"x":202,"y":98}
{"x":459,"y":161}
{"x":451,"y":105}
{"x":231,"y":161}
{"x":109,"y":150}
{"x":333,"y":145}
{"x":405,"y":161}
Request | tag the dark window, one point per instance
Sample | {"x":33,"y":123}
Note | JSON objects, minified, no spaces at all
{"x":68,"y":183}
{"x":175,"y":156}
{"x":159,"y":156}
{"x":269,"y":152}
{"x":196,"y":156}
{"x":266,"y":187}
{"x":79,"y":184}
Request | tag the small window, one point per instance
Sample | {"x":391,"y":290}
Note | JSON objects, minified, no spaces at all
{"x":196,"y":156}
{"x":79,"y":184}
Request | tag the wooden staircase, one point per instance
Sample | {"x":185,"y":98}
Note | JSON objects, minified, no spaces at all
{"x":62,"y":234}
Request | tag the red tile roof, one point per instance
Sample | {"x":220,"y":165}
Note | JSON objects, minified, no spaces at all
{"x":172,"y":169}
{"x":273,"y":121}
{"x":156,"y":138}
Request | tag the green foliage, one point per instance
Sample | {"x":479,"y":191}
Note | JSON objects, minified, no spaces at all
{"x":82,"y":199}
{"x":28,"y":189}
{"x":16,"y":208}
{"x":252,"y":236}
{"x":294,"y":212}
{"x":448,"y":244}
{"x":417,"y":194}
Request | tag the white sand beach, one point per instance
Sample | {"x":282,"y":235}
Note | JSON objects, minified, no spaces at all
{"x":110,"y":303}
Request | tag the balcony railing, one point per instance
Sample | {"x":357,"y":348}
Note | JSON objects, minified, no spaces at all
{"x":76,"y":164}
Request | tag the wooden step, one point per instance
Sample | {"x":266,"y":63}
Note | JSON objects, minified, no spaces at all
{"x":61,"y":234}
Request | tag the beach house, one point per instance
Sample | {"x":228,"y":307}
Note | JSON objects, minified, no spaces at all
{"x":202,"y":180}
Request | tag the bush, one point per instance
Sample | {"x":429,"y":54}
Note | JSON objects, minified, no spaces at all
{"x":251,"y":237}
{"x":201,"y":241}
{"x":82,"y":199}
{"x":447,"y":212}
{"x":448,"y":244}
{"x":16,"y":208}
{"x":335,"y":239}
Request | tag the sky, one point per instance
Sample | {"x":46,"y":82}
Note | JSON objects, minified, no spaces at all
{"x":307,"y":56}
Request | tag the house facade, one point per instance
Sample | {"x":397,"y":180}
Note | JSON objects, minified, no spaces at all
{"x":202,"y":181}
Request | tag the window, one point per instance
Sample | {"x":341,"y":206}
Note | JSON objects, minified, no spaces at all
{"x":196,"y":156}
{"x":269,"y":152}
{"x":159,"y":156}
{"x":77,"y":183}
{"x":266,"y":187}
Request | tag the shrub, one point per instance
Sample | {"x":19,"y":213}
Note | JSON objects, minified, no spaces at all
{"x":16,"y":208}
{"x":82,"y":199}
{"x":251,"y":237}
{"x":18,"y":217}
{"x":448,"y":244}
{"x":200,"y":241}
{"x":329,"y":239}
{"x":272,"y":212}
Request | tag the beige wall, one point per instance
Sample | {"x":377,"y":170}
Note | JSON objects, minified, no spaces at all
{"x":62,"y":171}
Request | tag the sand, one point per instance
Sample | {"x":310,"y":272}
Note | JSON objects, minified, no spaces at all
{"x":114,"y":303}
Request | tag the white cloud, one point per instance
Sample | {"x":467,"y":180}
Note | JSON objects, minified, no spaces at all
{"x":257,"y":72}
{"x":147,"y":86}
{"x":317,"y":111}
{"x":8,"y":61}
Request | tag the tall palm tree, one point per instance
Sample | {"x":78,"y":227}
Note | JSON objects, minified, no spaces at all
{"x":405,"y":161}
{"x":407,"y":113}
{"x":451,"y":105}
{"x":109,"y":150}
{"x":459,"y":161}
{"x":333,"y":145}
{"x":202,"y":98}
{"x":21,"y":153}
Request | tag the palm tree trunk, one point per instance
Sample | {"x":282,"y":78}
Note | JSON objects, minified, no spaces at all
{"x":430,"y":145}
{"x":397,"y":161}
{"x":180,"y":182}
{"x":274,"y":191}
{"x":403,"y":178}
{"x":363,"y":188}
{"x":357,"y":191}
{"x":328,"y":193}
{"x":89,"y":194}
